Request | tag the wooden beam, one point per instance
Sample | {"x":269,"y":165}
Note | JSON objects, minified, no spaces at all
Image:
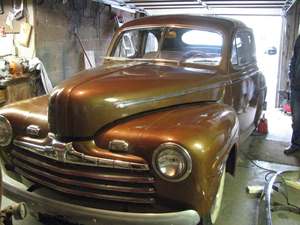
{"x":174,"y":7}
{"x":157,"y":1}
{"x":243,"y":2}
{"x":166,"y":3}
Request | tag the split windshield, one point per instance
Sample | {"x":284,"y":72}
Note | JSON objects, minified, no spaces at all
{"x":185,"y":45}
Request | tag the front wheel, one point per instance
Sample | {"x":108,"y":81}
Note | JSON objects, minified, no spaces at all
{"x":215,"y":209}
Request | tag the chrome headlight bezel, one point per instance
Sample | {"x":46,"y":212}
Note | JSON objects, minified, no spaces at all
{"x":179,"y":149}
{"x":9,"y":131}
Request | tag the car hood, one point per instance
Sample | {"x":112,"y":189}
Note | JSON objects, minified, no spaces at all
{"x":94,"y":99}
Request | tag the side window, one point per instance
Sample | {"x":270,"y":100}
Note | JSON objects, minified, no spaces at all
{"x":243,"y":51}
{"x":136,"y":43}
{"x":151,"y":43}
{"x":128,"y":45}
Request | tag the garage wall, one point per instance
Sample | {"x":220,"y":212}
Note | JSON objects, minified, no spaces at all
{"x":56,"y":44}
{"x":290,"y":31}
{"x":27,"y":52}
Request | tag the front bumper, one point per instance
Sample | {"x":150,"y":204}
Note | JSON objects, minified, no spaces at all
{"x":92,"y":216}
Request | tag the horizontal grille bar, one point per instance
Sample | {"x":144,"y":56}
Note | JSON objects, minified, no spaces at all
{"x":81,"y":159}
{"x":92,"y":174}
{"x":82,"y":184}
{"x":81,"y":193}
{"x":60,"y":167}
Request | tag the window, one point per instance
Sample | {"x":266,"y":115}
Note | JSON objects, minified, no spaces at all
{"x":126,"y":46}
{"x":243,"y":51}
{"x":193,"y":46}
{"x":136,"y":43}
{"x":201,"y":37}
{"x":185,"y":45}
{"x":151,"y":43}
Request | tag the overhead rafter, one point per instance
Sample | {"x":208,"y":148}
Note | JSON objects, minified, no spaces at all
{"x":175,"y":7}
{"x":211,"y":3}
{"x":276,"y":5}
{"x":245,"y":4}
{"x":157,"y":1}
{"x":140,"y":4}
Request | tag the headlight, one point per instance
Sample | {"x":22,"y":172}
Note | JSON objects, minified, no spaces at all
{"x":172,"y":162}
{"x":5,"y":132}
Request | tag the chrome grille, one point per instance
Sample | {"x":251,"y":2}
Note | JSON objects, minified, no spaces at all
{"x":112,"y":184}
{"x":66,"y":153}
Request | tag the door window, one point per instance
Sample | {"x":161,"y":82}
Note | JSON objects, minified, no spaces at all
{"x":243,"y":51}
{"x":136,"y":43}
{"x":151,"y":43}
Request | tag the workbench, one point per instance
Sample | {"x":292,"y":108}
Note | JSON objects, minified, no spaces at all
{"x":15,"y":89}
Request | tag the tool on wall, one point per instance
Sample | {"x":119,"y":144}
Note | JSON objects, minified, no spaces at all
{"x":17,"y":12}
{"x":18,"y":9}
{"x":25,"y":32}
{"x":83,"y":49}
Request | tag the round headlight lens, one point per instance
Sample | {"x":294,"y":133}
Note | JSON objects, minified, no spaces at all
{"x":172,"y":162}
{"x":5,"y":132}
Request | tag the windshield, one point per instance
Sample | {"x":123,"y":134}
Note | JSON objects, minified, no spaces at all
{"x":188,"y":45}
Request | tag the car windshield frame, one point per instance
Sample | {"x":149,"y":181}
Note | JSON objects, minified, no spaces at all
{"x":157,"y":58}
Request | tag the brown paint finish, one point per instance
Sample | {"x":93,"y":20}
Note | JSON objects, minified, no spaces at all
{"x":28,"y":112}
{"x":137,"y":88}
{"x":205,"y":109}
{"x":208,"y":131}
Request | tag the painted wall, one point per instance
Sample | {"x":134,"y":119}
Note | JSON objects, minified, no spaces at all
{"x":29,"y":51}
{"x":56,"y":44}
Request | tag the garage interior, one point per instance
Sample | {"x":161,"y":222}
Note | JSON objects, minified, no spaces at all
{"x":47,"y":42}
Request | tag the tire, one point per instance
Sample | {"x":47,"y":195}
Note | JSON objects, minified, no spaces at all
{"x":215,"y":209}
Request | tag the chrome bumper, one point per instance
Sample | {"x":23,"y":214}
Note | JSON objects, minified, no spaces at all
{"x":91,"y":216}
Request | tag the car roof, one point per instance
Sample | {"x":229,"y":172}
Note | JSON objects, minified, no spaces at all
{"x":193,"y":20}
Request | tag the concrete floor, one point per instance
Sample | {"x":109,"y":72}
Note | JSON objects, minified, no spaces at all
{"x":238,"y":207}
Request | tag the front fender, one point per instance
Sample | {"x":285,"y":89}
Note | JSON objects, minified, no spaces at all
{"x":27,"y":112}
{"x":208,"y":131}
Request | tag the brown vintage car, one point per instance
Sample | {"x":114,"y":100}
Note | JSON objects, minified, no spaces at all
{"x":145,"y":138}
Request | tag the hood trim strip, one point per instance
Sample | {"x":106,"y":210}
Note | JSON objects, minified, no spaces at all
{"x":125,"y":104}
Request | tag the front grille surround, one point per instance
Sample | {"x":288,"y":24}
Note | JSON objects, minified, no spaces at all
{"x":113,"y":183}
{"x":65,"y":152}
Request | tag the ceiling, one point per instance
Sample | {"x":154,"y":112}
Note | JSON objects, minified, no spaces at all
{"x":242,"y":7}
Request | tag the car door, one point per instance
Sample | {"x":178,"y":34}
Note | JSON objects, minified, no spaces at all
{"x":244,"y":78}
